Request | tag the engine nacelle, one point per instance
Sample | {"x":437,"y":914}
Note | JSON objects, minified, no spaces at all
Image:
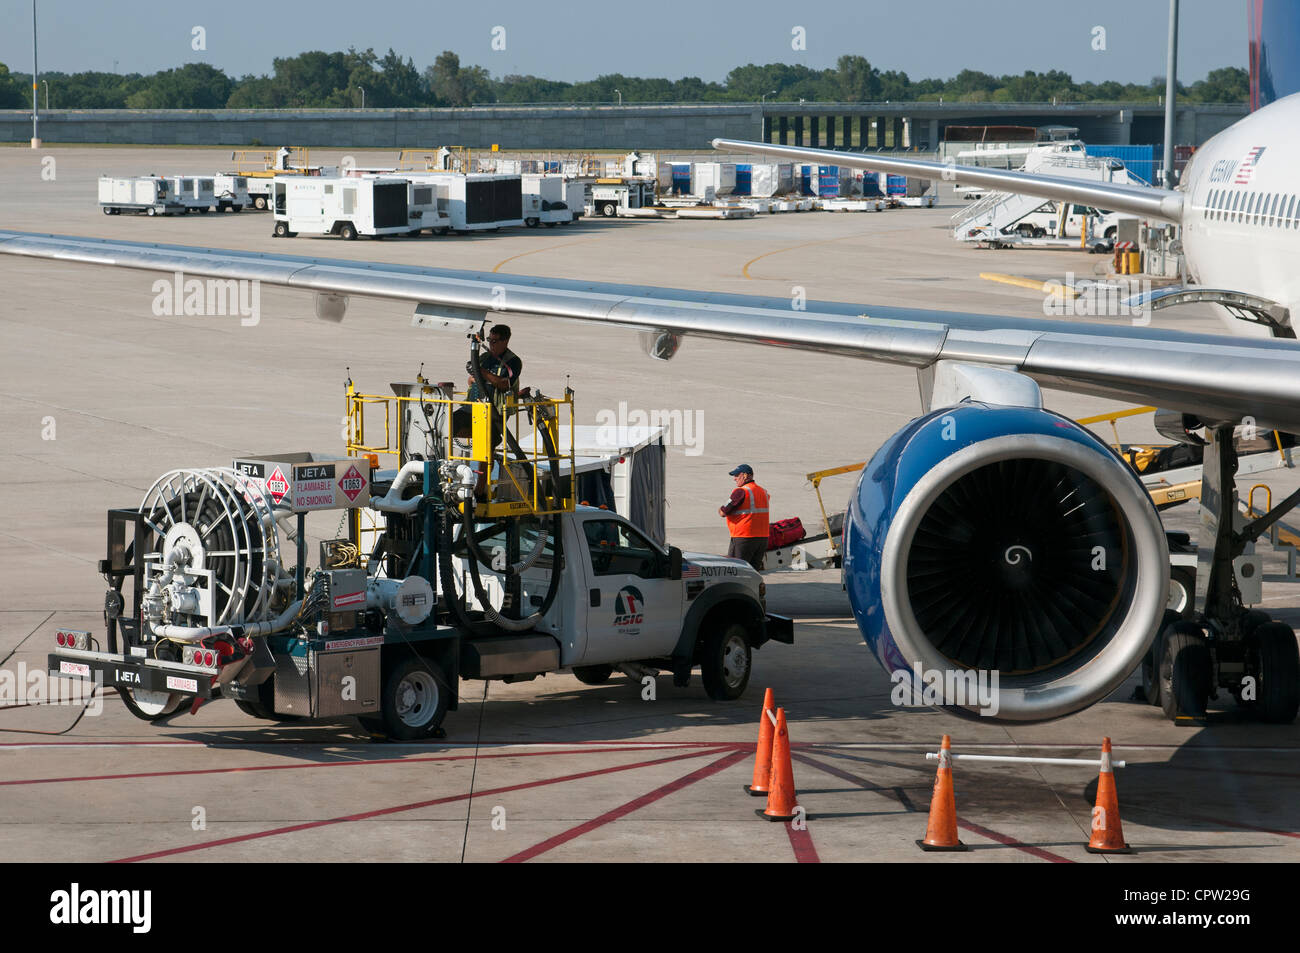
{"x":1004,"y":540}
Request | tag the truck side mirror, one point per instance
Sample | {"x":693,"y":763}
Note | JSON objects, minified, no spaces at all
{"x":674,"y":563}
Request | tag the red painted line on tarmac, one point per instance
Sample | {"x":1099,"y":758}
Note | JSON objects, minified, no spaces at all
{"x":381,"y":812}
{"x":965,"y":825}
{"x":625,"y":809}
{"x":1240,"y":824}
{"x":801,"y":841}
{"x":1010,"y":841}
{"x":328,"y":764}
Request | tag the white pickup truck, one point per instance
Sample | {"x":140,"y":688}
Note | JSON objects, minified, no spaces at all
{"x":628,"y":603}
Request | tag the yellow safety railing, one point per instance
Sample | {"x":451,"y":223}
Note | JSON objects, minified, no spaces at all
{"x":503,"y":461}
{"x":815,"y":478}
{"x":261,"y":163}
{"x":1112,"y":417}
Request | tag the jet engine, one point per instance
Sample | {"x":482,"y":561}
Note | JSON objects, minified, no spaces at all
{"x":1007,"y":543}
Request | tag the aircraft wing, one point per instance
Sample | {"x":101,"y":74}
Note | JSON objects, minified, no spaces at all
{"x":1163,"y":204}
{"x":1218,"y":378}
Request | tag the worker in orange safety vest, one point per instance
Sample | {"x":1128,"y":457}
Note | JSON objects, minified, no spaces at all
{"x":746,"y":516}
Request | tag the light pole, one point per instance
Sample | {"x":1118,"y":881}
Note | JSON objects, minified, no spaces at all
{"x":36,"y":118}
{"x":771,"y":92}
{"x":1171,"y":94}
{"x":761,"y":118}
{"x":363,"y":96}
{"x":620,"y":97}
{"x":46,"y":84}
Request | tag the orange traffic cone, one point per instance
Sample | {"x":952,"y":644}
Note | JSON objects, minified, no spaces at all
{"x":780,"y":799}
{"x":763,"y":754}
{"x":941,"y":829}
{"x":1107,"y":831}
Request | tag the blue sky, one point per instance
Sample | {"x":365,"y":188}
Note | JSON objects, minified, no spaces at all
{"x":672,"y":38}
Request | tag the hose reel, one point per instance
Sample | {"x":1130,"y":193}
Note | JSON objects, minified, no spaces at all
{"x":214,"y":555}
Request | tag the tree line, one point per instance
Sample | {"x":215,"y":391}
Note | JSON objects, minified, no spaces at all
{"x":317,"y":79}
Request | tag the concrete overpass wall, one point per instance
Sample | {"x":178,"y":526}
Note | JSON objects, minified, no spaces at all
{"x":914,"y":125}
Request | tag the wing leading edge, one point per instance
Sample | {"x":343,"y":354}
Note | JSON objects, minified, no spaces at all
{"x":1164,"y":204}
{"x":1219,"y":379}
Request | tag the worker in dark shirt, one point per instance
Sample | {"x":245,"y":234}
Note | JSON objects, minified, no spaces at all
{"x":500,"y":368}
{"x":747,"y":519}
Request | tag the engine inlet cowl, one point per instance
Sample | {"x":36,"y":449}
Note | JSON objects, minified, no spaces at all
{"x":1010,"y":540}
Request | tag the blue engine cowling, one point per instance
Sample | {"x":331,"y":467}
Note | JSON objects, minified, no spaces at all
{"x":1004,"y":550}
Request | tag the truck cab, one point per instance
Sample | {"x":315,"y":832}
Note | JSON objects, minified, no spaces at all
{"x":627,"y":601}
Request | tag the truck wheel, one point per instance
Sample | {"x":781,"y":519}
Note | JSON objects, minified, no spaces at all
{"x":609,"y":210}
{"x":1185,"y":674}
{"x":1182,"y":590}
{"x":348,"y":232}
{"x":1278,"y":693}
{"x":151,"y":211}
{"x":107,"y":210}
{"x":532,"y":222}
{"x":281,"y":230}
{"x":254,"y":709}
{"x":259,"y":202}
{"x":150,"y":706}
{"x":725,"y":662}
{"x":593,"y":674}
{"x":415,"y":699}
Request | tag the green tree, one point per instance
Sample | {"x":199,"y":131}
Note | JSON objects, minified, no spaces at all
{"x":192,"y":86}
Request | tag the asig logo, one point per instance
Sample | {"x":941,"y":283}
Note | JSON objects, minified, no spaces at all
{"x":964,"y":688}
{"x":628,"y":608}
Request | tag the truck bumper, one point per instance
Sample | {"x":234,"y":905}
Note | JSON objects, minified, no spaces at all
{"x":779,"y":628}
{"x":132,"y":672}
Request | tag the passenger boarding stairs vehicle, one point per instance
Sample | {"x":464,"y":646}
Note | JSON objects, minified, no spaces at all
{"x":998,"y":219}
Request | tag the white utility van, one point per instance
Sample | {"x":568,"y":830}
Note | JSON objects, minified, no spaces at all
{"x":149,"y":194}
{"x":544,"y":201}
{"x":347,"y":207}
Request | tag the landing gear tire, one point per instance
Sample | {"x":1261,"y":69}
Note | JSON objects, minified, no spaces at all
{"x":593,"y":674}
{"x":726,"y":662}
{"x":150,"y":706}
{"x":1151,"y":661}
{"x":1185,"y":675}
{"x":415,"y":699}
{"x":1277,"y":697}
{"x":1182,"y":591}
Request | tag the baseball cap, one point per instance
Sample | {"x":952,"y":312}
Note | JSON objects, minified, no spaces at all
{"x":743,"y":468}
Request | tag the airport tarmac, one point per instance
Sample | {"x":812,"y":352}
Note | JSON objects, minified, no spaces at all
{"x":101,"y":396}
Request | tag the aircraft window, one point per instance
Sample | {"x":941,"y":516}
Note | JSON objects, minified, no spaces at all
{"x":1290,"y":211}
{"x":1232,"y":212}
{"x":1250,"y":208}
{"x":1272,"y":208}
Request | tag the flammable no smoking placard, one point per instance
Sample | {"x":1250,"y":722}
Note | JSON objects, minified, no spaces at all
{"x":329,"y":486}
